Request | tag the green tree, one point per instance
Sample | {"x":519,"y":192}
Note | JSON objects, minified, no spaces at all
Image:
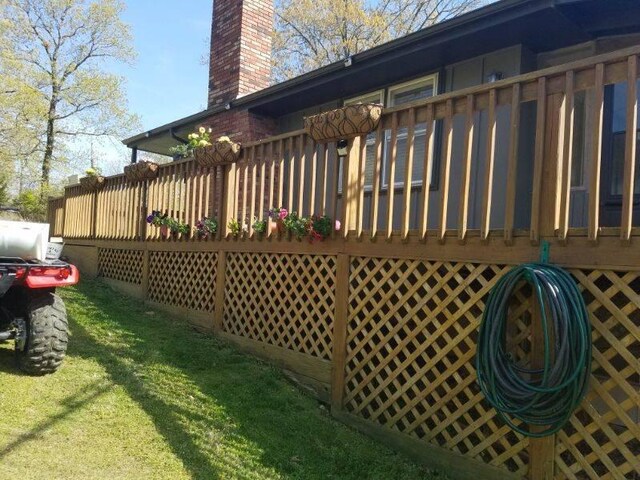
{"x":313,"y":33}
{"x":53,"y":60}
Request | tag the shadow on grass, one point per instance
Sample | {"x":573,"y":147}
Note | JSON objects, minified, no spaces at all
{"x":8,"y":361}
{"x":70,"y":405}
{"x":222,"y":413}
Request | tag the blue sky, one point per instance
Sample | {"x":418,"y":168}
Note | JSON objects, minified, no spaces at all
{"x":167,"y":81}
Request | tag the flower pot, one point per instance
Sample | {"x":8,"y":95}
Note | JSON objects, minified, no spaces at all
{"x":343,"y":123}
{"x":164,"y":231}
{"x":218,"y":153}
{"x":92,"y":183}
{"x":140,"y":171}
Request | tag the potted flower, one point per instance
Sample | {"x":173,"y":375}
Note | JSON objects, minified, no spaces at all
{"x":222,"y":151}
{"x":183,"y":150}
{"x":177,"y":228}
{"x":278,"y":215}
{"x":157,"y":219}
{"x":296,"y":225}
{"x":93,"y":181}
{"x":344,"y":122}
{"x":320,"y":227}
{"x":234,"y":227}
{"x":259,"y":227}
{"x":142,"y":170}
{"x":205,"y":227}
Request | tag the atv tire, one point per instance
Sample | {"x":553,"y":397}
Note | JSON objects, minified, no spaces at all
{"x":46,"y":333}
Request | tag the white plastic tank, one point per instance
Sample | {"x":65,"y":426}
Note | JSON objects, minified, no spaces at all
{"x":25,"y":240}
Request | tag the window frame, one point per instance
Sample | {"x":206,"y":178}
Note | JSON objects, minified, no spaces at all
{"x":434,"y":78}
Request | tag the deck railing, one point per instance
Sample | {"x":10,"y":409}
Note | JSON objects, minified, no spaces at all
{"x":494,"y":159}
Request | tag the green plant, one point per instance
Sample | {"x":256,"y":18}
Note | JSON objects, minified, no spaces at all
{"x":93,"y":172}
{"x":201,"y":138}
{"x":182,"y":150}
{"x":206,"y":226}
{"x":234,"y":227}
{"x":259,"y":226}
{"x":297,"y":225}
{"x":320,"y":227}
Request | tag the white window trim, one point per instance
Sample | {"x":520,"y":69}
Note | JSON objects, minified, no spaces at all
{"x":410,"y":85}
{"x":366,"y":96}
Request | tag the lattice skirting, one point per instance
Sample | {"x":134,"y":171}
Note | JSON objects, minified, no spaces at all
{"x":284,"y":300}
{"x":121,"y":265}
{"x":183,"y":279}
{"x":411,"y":338}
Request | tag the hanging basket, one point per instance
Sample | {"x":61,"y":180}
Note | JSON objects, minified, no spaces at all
{"x":143,"y":170}
{"x":343,"y":123}
{"x":92,"y":183}
{"x":218,"y":153}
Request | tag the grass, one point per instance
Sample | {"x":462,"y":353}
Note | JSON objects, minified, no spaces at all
{"x":142,"y":396}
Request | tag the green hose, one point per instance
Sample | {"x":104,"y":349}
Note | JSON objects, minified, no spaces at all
{"x":544,"y":398}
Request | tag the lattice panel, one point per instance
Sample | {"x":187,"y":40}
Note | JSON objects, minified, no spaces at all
{"x":122,"y":265}
{"x":183,"y":279}
{"x":411,"y":343}
{"x":603,"y":438}
{"x":283,"y":300}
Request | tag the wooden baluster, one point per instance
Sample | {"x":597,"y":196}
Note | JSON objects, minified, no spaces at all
{"x":465,"y":181}
{"x":485,"y":226}
{"x":377,"y":175}
{"x":512,"y":165}
{"x":362,"y":161}
{"x":427,"y":167}
{"x":566,"y":148}
{"x":314,"y":176}
{"x":245,"y":189}
{"x":290,"y":183}
{"x":596,"y":153}
{"x":263,"y":170}
{"x":333,"y":198}
{"x":538,"y":159}
{"x":630,"y":150}
{"x":347,"y":191}
{"x":393,"y":144}
{"x":302,"y":158}
{"x":280,"y":174}
{"x":325,"y":163}
{"x":446,"y":169}
{"x":408,"y":173}
{"x":254,"y":180}
{"x":272,"y":193}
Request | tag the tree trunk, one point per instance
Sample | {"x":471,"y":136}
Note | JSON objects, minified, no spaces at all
{"x":48,"y":151}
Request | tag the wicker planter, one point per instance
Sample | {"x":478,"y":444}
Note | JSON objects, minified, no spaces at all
{"x":140,"y":171}
{"x":218,"y":153}
{"x":92,"y":183}
{"x":343,"y":123}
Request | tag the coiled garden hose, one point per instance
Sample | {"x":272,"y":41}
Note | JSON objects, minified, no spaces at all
{"x":543,"y":398}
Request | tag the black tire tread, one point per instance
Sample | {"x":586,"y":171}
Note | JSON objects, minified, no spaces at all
{"x":47,"y":333}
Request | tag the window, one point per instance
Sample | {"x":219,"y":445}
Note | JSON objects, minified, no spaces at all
{"x":618,"y":140}
{"x":401,"y":95}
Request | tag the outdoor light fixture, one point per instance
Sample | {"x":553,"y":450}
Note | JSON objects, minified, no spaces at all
{"x":348,"y":61}
{"x":494,"y":76}
{"x":227,"y":106}
{"x":342,"y":148}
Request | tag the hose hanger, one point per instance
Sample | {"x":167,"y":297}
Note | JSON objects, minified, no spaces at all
{"x":542,"y":399}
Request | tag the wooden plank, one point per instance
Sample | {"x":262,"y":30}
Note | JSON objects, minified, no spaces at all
{"x":538,"y":160}
{"x":630,"y":149}
{"x":362,"y":161}
{"x":272,"y":193}
{"x":302,"y":158}
{"x":446,"y":171}
{"x":377,"y":176}
{"x":218,"y":316}
{"x":408,"y":169}
{"x":566,"y":148}
{"x":314,"y":178}
{"x":512,"y":166}
{"x":340,"y":321}
{"x":465,"y":181}
{"x":292,"y":162}
{"x":245,"y":189}
{"x":427,"y":173}
{"x":393,"y":146}
{"x":596,"y":153}
{"x":254,"y":180}
{"x":263,"y":173}
{"x":485,"y":224}
{"x":280,"y":174}
{"x":333,"y":197}
{"x":348,"y":179}
{"x":325,"y":164}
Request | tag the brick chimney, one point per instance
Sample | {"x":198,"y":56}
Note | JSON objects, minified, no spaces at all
{"x":240,"y":60}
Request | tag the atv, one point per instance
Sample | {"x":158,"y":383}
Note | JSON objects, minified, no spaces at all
{"x":31,"y":314}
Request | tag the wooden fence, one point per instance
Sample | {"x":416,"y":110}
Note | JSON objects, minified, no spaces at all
{"x":381,"y":320}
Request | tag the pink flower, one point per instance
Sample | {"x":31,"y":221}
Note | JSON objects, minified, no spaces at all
{"x":338,"y":225}
{"x":283,"y":213}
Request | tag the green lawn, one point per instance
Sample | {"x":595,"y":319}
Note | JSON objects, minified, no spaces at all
{"x":142,"y":396}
